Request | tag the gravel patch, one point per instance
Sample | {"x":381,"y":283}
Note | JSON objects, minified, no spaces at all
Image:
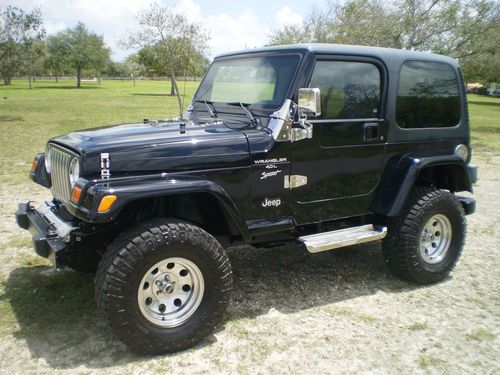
{"x":334,"y":312}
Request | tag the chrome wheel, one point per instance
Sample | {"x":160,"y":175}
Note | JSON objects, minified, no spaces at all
{"x":170,"y":292}
{"x":435,"y":239}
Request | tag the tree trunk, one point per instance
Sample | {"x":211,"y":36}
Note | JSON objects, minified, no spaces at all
{"x":78,"y":76}
{"x":6,"y":80}
{"x":133,"y":78}
{"x":30,"y":79}
{"x":174,"y":85}
{"x":56,"y":78}
{"x":98,"y":77}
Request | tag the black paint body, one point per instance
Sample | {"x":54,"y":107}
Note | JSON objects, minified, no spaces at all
{"x":355,"y":174}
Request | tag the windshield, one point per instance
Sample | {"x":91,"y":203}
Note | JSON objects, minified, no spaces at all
{"x":262,"y":81}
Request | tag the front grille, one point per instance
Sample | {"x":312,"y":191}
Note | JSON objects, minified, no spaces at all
{"x":59,"y":172}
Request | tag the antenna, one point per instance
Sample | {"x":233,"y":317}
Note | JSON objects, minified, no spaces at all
{"x":185,"y":78}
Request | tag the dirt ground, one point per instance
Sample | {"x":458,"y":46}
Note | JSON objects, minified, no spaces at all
{"x":334,"y":312}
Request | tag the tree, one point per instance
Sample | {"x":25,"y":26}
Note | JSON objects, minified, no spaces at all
{"x":82,"y":49}
{"x":170,"y":39}
{"x":33,"y":58}
{"x":133,"y":66}
{"x":464,"y":29}
{"x":56,"y":59}
{"x":20,"y":36}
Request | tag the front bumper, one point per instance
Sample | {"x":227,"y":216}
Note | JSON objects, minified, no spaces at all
{"x":43,"y":228}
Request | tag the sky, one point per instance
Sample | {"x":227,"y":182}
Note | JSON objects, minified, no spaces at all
{"x":233,"y":25}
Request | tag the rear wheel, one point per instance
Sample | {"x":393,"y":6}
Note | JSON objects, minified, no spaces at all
{"x":163,"y":286}
{"x":424,"y":243}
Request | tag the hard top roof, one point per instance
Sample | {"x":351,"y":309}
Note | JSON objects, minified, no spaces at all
{"x":346,"y":49}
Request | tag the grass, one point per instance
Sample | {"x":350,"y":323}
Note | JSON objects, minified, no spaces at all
{"x":28,"y":118}
{"x":27,"y":293}
{"x":485,"y":124}
{"x":481,"y":334}
{"x":418,"y":326}
{"x":426,"y":361}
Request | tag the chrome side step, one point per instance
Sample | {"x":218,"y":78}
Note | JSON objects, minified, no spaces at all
{"x":343,"y":237}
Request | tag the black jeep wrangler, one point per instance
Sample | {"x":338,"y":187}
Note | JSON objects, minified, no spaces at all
{"x":323,"y":145}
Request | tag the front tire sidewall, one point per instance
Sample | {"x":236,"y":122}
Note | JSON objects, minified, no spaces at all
{"x":132,"y":255}
{"x":204,"y":310}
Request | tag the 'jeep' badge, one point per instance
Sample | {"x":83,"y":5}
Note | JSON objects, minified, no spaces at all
{"x":276,"y":202}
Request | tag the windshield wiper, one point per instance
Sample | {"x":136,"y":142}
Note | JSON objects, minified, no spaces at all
{"x":247,"y":111}
{"x":210,"y":107}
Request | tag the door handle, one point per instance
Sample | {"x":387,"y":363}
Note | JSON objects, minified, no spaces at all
{"x":370,"y":131}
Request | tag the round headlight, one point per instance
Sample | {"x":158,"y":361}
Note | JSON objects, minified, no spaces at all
{"x":74,"y":171}
{"x":48,"y":155}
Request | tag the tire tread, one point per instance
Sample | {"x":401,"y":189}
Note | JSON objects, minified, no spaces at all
{"x":399,"y":245}
{"x":127,"y":251}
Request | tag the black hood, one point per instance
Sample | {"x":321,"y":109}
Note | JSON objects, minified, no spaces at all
{"x":158,"y":147}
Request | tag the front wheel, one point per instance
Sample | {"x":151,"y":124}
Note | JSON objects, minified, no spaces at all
{"x":163,"y":286}
{"x":424,"y":243}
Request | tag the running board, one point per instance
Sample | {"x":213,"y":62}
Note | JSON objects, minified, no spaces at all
{"x":343,"y":237}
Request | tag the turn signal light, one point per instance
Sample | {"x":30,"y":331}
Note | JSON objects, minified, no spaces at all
{"x":106,"y":203}
{"x":34,"y":165}
{"x":76,"y":194}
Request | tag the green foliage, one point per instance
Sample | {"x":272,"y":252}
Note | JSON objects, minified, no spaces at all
{"x":169,"y":43}
{"x":79,"y":48}
{"x":468,"y":30}
{"x":56,"y":59}
{"x":21,"y":34}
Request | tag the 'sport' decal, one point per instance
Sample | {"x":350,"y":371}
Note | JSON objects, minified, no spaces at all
{"x":265,"y":175}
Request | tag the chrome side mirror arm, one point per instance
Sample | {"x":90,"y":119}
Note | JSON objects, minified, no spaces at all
{"x":281,"y":124}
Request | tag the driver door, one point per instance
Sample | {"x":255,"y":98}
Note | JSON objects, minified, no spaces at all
{"x":339,"y":167}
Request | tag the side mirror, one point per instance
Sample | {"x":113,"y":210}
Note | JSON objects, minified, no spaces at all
{"x":310,"y":101}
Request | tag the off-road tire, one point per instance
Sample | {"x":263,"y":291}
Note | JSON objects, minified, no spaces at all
{"x":128,"y":260}
{"x":83,"y":258}
{"x":401,"y":247}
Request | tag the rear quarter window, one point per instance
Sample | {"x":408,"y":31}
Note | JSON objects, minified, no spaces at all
{"x":428,"y":95}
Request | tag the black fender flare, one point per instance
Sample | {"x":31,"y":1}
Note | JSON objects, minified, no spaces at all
{"x":401,"y":173}
{"x":129,"y":189}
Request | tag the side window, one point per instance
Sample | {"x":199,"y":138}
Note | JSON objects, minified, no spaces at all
{"x":428,"y":95}
{"x":348,"y":89}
